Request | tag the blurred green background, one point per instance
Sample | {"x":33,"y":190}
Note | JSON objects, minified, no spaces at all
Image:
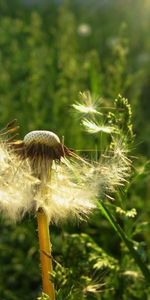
{"x":49,"y":52}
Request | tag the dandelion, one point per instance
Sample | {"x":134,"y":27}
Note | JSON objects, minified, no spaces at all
{"x":41,"y":175}
{"x":54,"y":199}
{"x":63,"y":181}
{"x":59,"y":195}
{"x":35,"y":176}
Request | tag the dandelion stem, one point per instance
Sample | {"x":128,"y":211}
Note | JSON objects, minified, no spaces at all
{"x":126,"y":240}
{"x":45,"y":254}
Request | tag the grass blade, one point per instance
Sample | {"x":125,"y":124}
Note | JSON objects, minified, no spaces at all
{"x":126,"y":240}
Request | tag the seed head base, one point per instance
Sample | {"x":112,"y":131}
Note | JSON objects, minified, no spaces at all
{"x":43,"y":147}
{"x":41,"y":144}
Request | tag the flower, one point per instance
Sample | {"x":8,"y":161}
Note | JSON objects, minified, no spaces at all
{"x":64,"y":187}
{"x":35,"y":174}
{"x":40,"y":172}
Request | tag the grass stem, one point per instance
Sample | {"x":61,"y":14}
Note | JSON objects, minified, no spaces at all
{"x":126,"y":240}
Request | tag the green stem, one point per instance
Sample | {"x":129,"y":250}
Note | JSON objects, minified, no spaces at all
{"x":126,"y":240}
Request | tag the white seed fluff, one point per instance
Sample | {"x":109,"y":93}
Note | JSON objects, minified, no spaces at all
{"x":16,"y":185}
{"x":69,"y":194}
{"x":71,"y":189}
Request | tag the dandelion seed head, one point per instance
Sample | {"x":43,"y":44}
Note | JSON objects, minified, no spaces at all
{"x":42,"y":137}
{"x":41,"y":177}
{"x":64,"y":190}
{"x":43,"y":147}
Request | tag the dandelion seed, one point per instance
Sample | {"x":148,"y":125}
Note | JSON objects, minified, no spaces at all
{"x":112,"y":171}
{"x":85,"y":109}
{"x":93,"y":288}
{"x":92,"y":127}
{"x":120,"y":150}
{"x":88,"y":105}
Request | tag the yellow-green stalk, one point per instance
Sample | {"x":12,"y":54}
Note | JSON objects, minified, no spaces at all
{"x":45,"y":254}
{"x":45,"y":245}
{"x":42,"y":147}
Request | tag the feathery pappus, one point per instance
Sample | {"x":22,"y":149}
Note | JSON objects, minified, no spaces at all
{"x":40,"y":172}
{"x":42,"y":177}
{"x":16,"y":180}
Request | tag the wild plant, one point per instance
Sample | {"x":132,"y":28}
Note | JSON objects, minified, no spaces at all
{"x":40,"y":175}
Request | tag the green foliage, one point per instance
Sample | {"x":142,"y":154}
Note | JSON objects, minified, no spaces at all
{"x":122,"y":117}
{"x":19,"y":261}
{"x":87,"y":269}
{"x":43,"y":297}
{"x":117,"y":78}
